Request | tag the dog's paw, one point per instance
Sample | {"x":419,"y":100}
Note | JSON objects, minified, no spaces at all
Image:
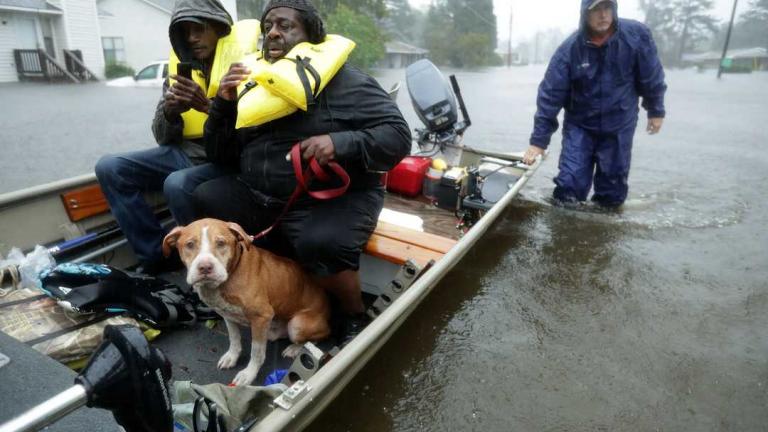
{"x":244,"y":377}
{"x":228,"y":360}
{"x":292,"y":351}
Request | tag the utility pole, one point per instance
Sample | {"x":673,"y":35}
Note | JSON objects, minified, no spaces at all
{"x":509,"y":42}
{"x":727,"y":40}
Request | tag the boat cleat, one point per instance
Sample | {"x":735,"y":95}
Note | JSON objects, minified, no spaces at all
{"x":293,"y":394}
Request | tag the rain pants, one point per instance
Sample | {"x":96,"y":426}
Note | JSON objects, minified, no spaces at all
{"x":599,"y":88}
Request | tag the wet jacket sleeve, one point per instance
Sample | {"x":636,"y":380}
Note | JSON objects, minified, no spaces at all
{"x":379,"y":137}
{"x":167,"y":132}
{"x":650,"y":76}
{"x":554,"y":91}
{"x":220,"y":137}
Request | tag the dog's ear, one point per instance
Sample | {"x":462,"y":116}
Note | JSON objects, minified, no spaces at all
{"x":239,"y":232}
{"x":170,"y":241}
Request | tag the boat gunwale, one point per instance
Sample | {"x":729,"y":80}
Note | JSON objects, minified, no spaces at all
{"x":32,"y":193}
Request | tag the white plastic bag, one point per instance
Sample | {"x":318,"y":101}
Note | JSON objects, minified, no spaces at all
{"x":33,"y":264}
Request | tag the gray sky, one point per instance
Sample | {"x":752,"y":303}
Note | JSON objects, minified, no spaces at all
{"x":531,"y":16}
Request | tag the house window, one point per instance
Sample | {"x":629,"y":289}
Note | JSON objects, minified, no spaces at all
{"x":114,"y":50}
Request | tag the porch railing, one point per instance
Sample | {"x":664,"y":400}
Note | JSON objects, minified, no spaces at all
{"x":37,"y":65}
{"x":73,"y":60}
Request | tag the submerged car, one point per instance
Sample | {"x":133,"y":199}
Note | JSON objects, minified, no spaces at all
{"x":151,"y":75}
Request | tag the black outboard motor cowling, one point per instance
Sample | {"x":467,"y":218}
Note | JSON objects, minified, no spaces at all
{"x":437,"y":104}
{"x":432,"y":98}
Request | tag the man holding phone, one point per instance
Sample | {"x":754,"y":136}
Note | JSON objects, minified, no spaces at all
{"x":179,"y":163}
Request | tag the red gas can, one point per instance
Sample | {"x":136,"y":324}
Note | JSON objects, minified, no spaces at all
{"x":408,"y":176}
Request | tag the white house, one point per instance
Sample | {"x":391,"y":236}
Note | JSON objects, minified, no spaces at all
{"x":135,"y":32}
{"x":131,"y":31}
{"x":52,"y":26}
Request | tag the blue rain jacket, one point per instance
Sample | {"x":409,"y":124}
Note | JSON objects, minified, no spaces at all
{"x":599,"y":87}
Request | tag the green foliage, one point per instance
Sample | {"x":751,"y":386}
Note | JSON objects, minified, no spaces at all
{"x":461,"y":33}
{"x":679,"y":26}
{"x":250,"y":9}
{"x":376,"y":8}
{"x":402,"y":22}
{"x":117,"y":70}
{"x":361,"y":29}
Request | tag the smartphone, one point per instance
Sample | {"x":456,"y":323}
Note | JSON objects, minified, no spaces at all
{"x":184,"y":69}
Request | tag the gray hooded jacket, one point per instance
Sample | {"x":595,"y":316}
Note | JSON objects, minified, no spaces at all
{"x":169,"y":132}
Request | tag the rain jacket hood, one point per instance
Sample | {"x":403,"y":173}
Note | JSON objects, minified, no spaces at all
{"x":585,"y":14}
{"x":209,"y":10}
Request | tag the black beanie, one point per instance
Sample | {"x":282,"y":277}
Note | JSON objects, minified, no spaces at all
{"x":302,"y":5}
{"x":312,"y":21}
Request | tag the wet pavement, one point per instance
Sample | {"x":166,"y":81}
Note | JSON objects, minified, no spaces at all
{"x":651,"y":319}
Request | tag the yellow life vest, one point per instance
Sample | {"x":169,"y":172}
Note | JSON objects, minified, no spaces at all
{"x":242,"y":40}
{"x":256,"y":105}
{"x":275,"y":90}
{"x":305,"y":71}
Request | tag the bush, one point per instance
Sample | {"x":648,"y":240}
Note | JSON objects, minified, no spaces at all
{"x":117,"y":70}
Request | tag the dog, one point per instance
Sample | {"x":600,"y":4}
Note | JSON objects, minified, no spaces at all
{"x":252,"y":287}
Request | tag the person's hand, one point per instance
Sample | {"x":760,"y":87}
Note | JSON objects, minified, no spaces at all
{"x":228,"y":85}
{"x":654,"y":125}
{"x":320,"y":147}
{"x":530,"y":155}
{"x":172,"y":106}
{"x":189,"y":94}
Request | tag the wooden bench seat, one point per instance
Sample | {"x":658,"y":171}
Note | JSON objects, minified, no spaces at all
{"x":397,"y":244}
{"x":390,"y":242}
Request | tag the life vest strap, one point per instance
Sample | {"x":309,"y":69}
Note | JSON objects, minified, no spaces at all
{"x":248,"y":86}
{"x":303,"y":66}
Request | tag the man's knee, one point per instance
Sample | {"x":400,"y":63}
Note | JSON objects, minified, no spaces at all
{"x":176,"y":184}
{"x":106,"y":167}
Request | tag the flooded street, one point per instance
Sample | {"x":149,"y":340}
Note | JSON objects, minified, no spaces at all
{"x":652,"y":319}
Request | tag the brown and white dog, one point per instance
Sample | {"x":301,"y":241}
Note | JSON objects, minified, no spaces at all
{"x":250,"y":286}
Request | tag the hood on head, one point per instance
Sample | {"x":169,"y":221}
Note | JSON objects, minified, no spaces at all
{"x":195,"y":10}
{"x":585,"y":4}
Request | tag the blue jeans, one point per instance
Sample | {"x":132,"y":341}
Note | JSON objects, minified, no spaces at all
{"x":125,"y":177}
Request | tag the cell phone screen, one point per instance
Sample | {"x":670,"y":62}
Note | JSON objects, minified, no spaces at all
{"x":184,"y":69}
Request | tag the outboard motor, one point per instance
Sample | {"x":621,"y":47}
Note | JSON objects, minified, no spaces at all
{"x":125,"y":375}
{"x":436,"y":105}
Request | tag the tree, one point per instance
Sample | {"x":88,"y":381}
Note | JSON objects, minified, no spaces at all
{"x":461,"y":33}
{"x":678,"y":25}
{"x":361,"y":29}
{"x":755,"y":23}
{"x":375,"y":8}
{"x":402,"y":22}
{"x":250,"y":8}
{"x":695,"y":23}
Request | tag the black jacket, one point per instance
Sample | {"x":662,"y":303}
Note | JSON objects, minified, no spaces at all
{"x":367,"y":129}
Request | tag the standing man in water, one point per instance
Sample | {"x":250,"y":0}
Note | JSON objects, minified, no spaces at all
{"x":597,"y":75}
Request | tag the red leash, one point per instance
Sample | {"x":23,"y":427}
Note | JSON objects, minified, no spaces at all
{"x":303,"y":177}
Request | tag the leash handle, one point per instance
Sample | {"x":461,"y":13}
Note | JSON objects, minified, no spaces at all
{"x":303,"y":177}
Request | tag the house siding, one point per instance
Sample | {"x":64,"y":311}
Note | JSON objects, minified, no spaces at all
{"x":82,"y":29}
{"x":144,"y":30}
{"x":7,"y":42}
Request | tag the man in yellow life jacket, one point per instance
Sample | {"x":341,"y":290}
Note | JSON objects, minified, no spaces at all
{"x":179,"y":163}
{"x":353,"y":122}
